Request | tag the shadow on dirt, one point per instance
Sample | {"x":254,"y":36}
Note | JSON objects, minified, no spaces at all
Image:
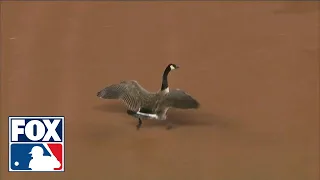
{"x":111,"y":107}
{"x":176,"y":117}
{"x":298,"y":8}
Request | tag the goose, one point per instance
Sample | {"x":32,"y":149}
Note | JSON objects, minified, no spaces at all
{"x":142,"y":104}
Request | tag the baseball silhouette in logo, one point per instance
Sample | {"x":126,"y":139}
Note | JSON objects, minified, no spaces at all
{"x":39,"y":162}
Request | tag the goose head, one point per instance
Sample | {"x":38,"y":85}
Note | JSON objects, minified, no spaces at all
{"x":173,"y":66}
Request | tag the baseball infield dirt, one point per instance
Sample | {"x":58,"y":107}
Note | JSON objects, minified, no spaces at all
{"x":253,"y":66}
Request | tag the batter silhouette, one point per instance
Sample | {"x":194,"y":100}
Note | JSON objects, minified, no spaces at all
{"x":39,"y":162}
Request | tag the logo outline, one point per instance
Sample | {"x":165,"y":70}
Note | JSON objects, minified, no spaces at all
{"x":37,"y":142}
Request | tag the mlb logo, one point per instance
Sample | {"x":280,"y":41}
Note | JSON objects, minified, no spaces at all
{"x":36,"y":143}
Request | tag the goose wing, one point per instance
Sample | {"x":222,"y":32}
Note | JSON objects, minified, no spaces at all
{"x":129,"y":92}
{"x":177,"y":98}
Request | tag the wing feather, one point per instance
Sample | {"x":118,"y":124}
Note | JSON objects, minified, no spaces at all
{"x":129,"y":92}
{"x":177,"y":98}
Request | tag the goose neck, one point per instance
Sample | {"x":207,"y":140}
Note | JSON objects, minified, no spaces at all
{"x":165,"y":85}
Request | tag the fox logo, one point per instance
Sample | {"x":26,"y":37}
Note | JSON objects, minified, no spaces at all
{"x":36,"y":143}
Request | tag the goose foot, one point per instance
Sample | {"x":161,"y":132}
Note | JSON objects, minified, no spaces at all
{"x":169,"y":126}
{"x":139,"y":124}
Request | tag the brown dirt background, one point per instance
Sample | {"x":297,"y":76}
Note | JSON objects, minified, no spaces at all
{"x":254,"y":66}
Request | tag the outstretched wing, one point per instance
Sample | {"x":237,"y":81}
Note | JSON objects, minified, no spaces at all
{"x":129,"y":92}
{"x":177,"y":98}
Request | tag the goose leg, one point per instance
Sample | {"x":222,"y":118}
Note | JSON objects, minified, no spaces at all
{"x":139,"y":124}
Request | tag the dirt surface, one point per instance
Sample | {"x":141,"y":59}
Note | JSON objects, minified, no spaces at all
{"x":254,"y":67}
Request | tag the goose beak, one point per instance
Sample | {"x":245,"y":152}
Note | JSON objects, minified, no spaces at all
{"x":177,"y":67}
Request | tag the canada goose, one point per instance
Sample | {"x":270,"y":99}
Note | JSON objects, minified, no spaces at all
{"x":143,"y":104}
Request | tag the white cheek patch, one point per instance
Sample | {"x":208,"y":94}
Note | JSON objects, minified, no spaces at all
{"x":172,"y":67}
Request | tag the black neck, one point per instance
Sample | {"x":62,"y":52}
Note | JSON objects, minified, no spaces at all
{"x":165,"y":78}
